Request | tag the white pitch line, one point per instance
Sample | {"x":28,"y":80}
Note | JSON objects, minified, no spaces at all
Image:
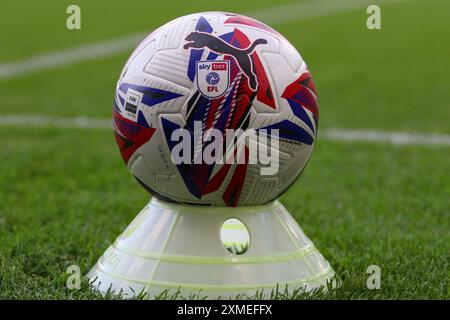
{"x":372,"y":136}
{"x":314,"y":9}
{"x":274,"y":15}
{"x":376,"y":136}
{"x":38,"y":121}
{"x":69,"y":56}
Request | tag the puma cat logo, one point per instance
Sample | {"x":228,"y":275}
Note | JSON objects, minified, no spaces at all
{"x":200,"y":40}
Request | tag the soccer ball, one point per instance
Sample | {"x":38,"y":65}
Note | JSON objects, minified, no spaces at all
{"x":215,"y":109}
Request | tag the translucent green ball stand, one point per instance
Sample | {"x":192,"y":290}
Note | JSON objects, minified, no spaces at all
{"x":178,"y":249}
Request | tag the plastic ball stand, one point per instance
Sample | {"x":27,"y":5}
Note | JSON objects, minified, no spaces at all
{"x":183,"y":250}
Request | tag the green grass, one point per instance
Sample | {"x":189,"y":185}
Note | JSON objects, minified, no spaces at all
{"x":360,"y":204}
{"x":65,"y":195}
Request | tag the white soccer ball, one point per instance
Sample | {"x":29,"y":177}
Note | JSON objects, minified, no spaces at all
{"x":193,"y":81}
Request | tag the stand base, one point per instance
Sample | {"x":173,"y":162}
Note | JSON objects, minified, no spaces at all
{"x":177,"y":249}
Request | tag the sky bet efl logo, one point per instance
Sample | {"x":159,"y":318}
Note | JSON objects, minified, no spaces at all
{"x":213,"y":77}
